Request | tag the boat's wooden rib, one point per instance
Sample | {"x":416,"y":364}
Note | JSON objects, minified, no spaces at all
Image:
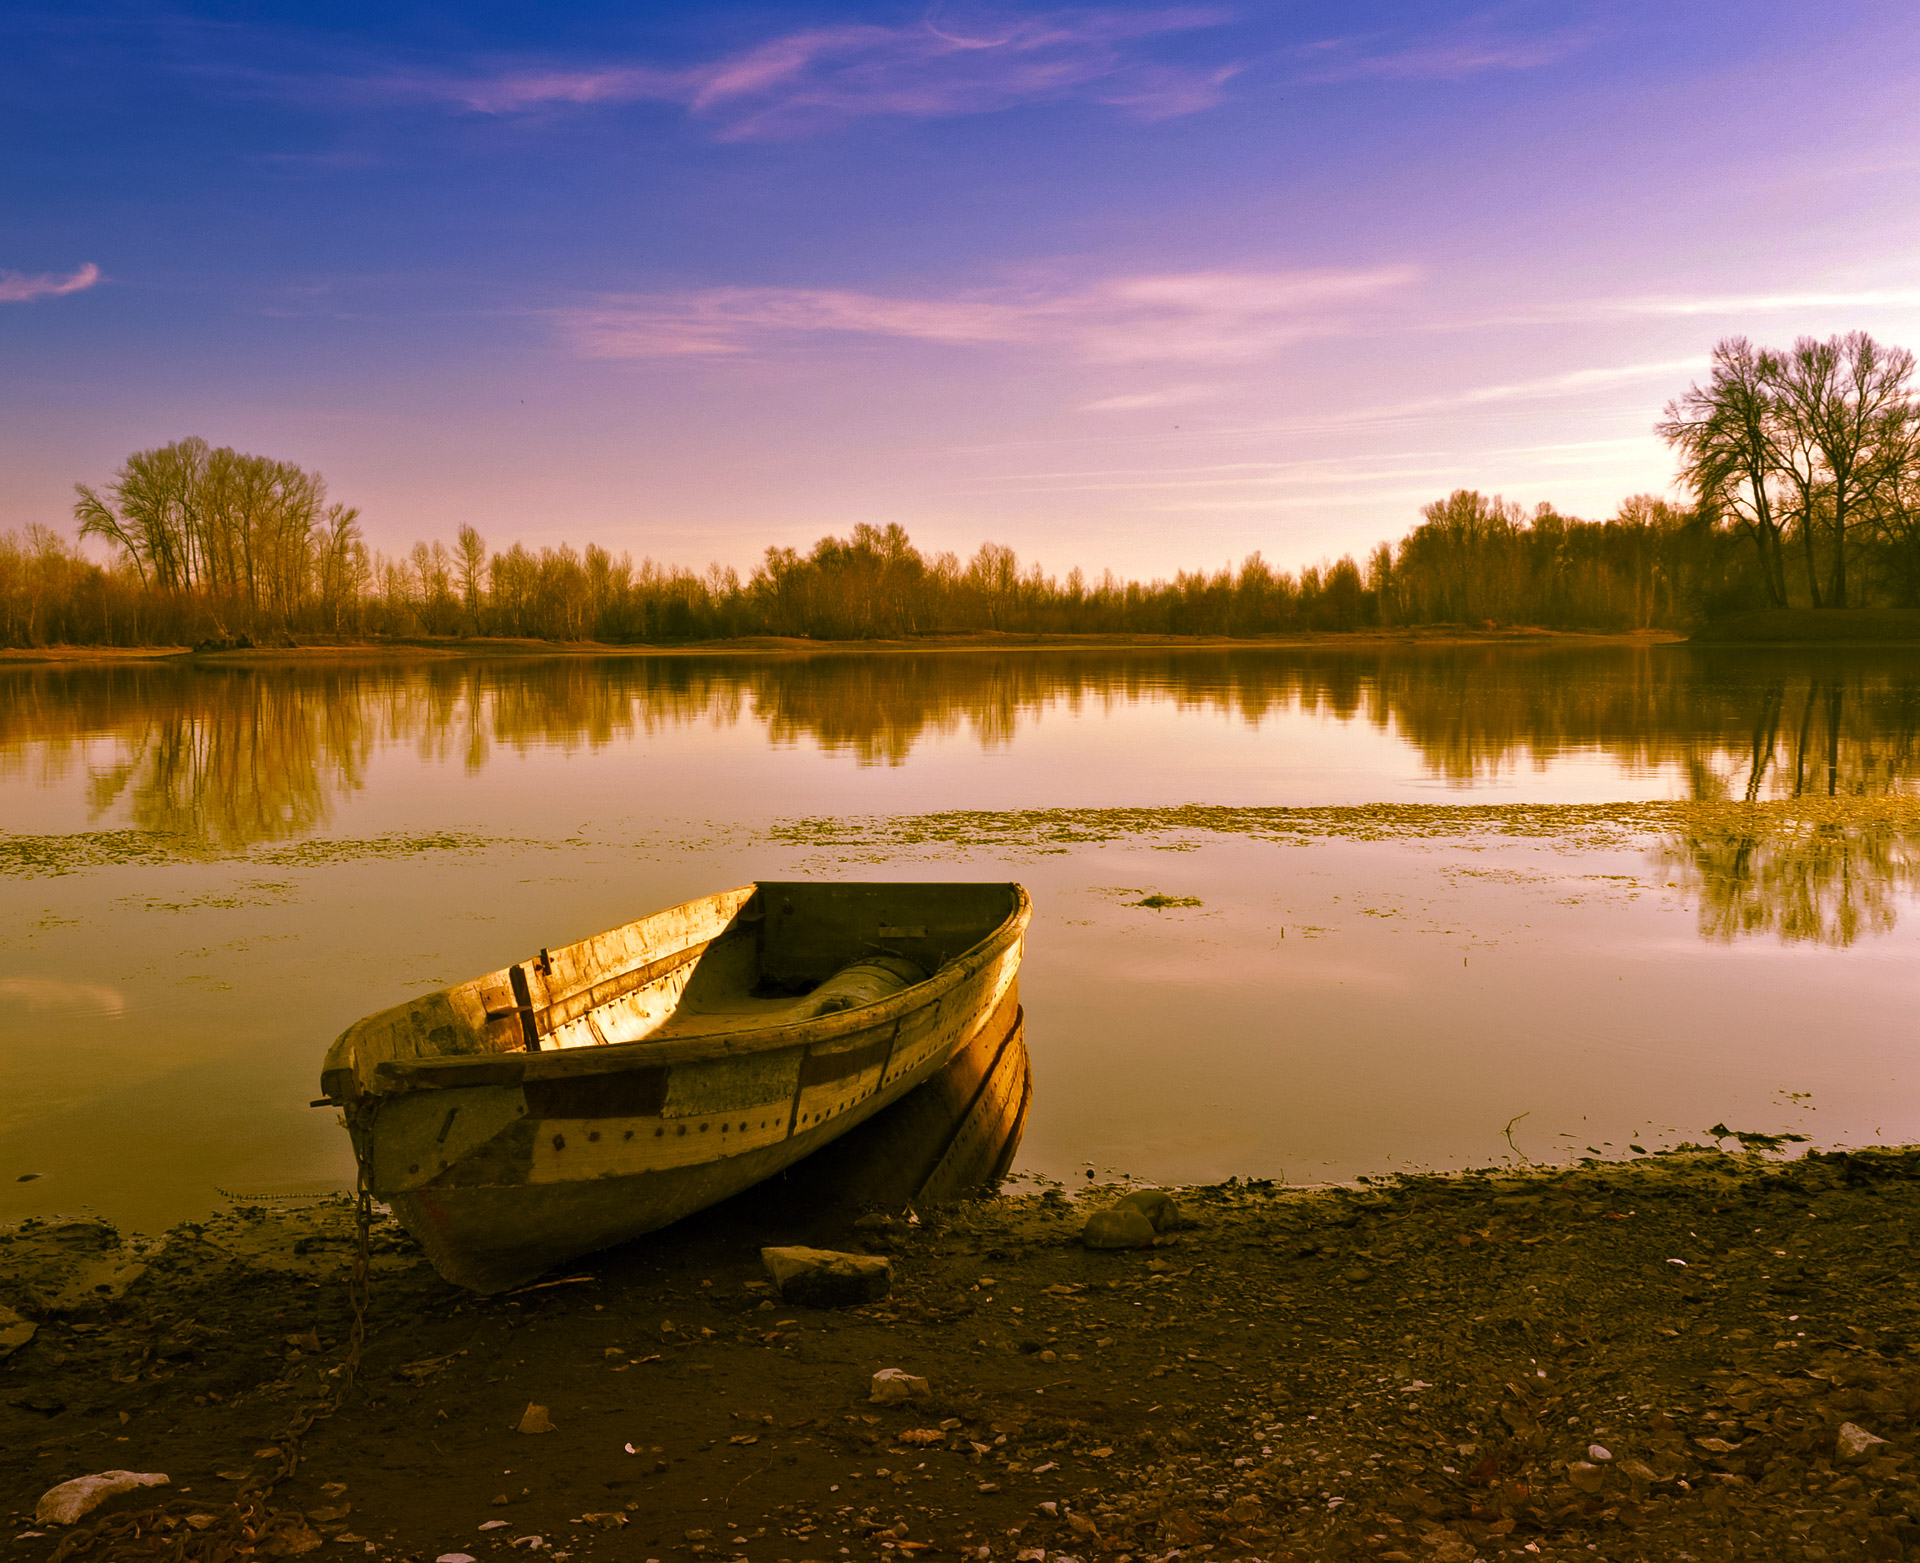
{"x":609,"y":1087}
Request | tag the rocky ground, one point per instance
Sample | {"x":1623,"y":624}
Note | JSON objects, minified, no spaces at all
{"x":1695,"y":1356}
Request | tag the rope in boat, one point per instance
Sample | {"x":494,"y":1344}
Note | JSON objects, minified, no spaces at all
{"x":184,"y":1531}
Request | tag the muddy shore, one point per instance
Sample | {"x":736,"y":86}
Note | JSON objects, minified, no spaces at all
{"x":1675,"y":1358}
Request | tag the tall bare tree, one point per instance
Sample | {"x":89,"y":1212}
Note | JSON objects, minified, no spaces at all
{"x":1723,"y":431}
{"x":1847,"y":401}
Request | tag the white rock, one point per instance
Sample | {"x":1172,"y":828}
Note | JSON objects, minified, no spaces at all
{"x":892,"y":1385}
{"x":454,"y":1557}
{"x":66,"y":1503}
{"x":1854,"y":1442}
{"x":1599,"y":1454}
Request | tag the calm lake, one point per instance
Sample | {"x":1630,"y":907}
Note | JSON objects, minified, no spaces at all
{"x":1434,"y":907}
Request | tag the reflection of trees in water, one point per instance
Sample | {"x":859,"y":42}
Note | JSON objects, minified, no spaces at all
{"x":223,"y":759}
{"x":229,"y":756}
{"x":1803,"y":877}
{"x":1811,"y":857}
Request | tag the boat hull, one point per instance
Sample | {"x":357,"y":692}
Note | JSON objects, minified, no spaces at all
{"x":505,"y":1163}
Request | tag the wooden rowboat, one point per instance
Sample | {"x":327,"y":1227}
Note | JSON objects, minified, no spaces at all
{"x":606,"y":1088}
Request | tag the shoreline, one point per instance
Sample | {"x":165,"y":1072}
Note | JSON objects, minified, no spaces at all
{"x":1614,"y":1360}
{"x":314,"y":649}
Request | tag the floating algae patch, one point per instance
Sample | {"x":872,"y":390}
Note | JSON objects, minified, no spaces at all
{"x":31,"y":857}
{"x":1581,"y":826}
{"x":324,"y":852}
{"x":1160,"y":902}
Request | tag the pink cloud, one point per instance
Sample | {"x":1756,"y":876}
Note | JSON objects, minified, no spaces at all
{"x":820,"y":77}
{"x":16,"y":287}
{"x":1194,"y":317}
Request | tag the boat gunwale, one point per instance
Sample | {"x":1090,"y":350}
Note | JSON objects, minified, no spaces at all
{"x":396,"y":1077}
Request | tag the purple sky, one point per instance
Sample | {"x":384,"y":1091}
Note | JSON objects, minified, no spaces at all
{"x":1139,"y":287}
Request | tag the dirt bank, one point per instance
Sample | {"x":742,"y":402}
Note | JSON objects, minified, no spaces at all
{"x":308,"y":649}
{"x":1815,"y":627}
{"x":1652,"y":1360}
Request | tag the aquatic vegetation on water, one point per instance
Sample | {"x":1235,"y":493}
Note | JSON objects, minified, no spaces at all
{"x":1583,"y":826}
{"x":29,"y":857}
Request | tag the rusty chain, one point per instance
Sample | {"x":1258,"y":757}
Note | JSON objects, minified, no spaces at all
{"x":185,"y":1532}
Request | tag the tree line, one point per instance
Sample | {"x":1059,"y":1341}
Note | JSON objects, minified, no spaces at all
{"x":1802,"y":470}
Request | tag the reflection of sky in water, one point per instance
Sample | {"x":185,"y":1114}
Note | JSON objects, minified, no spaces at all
{"x":1332,"y":1007}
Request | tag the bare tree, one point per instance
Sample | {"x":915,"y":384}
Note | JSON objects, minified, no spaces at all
{"x":1848,"y":402}
{"x":1723,"y":431}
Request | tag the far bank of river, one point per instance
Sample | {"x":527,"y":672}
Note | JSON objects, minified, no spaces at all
{"x":1694,"y":1354}
{"x":310,"y":648}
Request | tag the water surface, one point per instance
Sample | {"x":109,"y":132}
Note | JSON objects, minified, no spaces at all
{"x":1454,"y":904}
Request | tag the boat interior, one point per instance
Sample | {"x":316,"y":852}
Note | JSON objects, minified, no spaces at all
{"x":767,"y":954}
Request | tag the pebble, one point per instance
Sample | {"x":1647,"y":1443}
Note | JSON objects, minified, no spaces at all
{"x":1122,"y":1227}
{"x":1156,"y":1205}
{"x":66,"y":1503}
{"x":1599,"y":1454}
{"x":822,"y":1278}
{"x":1854,"y":1442}
{"x":893,"y":1385}
{"x":535,"y":1420}
{"x":15,"y":1331}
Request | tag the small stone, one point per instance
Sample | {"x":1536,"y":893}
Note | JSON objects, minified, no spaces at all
{"x":1639,"y":1471}
{"x":1050,"y":1509}
{"x":1049,"y":1356}
{"x":874,"y":1223}
{"x":495,"y":1524}
{"x":892,"y":1386}
{"x":1122,"y":1227}
{"x":1156,"y":1205}
{"x":287,"y":1537}
{"x":65,"y":1504}
{"x":454,"y":1557}
{"x":822,"y":1278}
{"x":1599,"y":1454}
{"x":1585,"y":1475}
{"x":15,"y":1332}
{"x":534,"y":1420}
{"x":1854,"y":1442}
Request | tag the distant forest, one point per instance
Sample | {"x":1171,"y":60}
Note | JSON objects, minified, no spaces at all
{"x":1802,"y":470}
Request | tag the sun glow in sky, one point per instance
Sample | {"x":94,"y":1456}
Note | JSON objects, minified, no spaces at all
{"x":1131,"y":286}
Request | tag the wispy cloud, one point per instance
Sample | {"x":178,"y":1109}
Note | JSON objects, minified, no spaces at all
{"x":1771,"y":303}
{"x":821,"y":77}
{"x":1146,"y":401}
{"x":18,"y":287}
{"x":1454,"y":57}
{"x":1575,"y":382}
{"x":1194,"y":317}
